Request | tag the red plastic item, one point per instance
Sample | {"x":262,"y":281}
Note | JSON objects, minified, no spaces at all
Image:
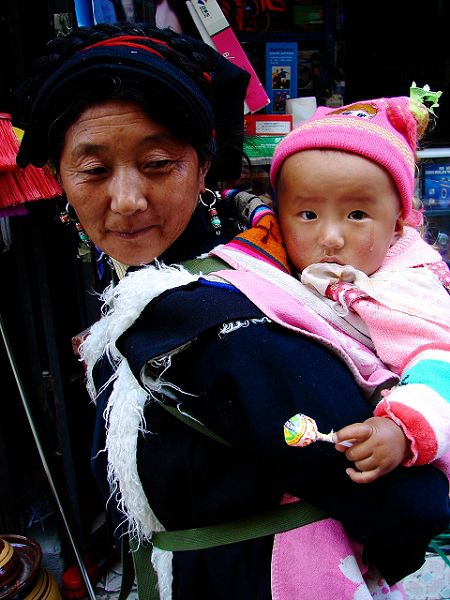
{"x":73,"y":585}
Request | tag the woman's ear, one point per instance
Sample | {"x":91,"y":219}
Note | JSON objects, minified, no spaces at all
{"x":204,"y":168}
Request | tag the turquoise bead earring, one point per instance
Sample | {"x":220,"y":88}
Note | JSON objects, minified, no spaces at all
{"x":216,"y":223}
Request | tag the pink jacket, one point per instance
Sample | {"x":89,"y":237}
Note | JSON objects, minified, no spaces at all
{"x":416,"y":346}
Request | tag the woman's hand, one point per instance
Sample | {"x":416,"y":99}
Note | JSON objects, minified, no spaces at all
{"x":378,"y":446}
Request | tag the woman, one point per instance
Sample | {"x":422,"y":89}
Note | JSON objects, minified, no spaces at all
{"x":137,"y":123}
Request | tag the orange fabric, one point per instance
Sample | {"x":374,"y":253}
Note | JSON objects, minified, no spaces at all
{"x":265,"y":239}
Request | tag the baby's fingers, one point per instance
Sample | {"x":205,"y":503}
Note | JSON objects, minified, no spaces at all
{"x":362,"y":476}
{"x":355,"y":434}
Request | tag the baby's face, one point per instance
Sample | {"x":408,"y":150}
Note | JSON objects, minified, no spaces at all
{"x":337,"y":207}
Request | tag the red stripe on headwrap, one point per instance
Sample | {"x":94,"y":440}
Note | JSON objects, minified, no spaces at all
{"x":130,"y":41}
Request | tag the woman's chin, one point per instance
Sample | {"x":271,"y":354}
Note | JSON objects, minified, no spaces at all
{"x":133,"y":251}
{"x":134,"y":259}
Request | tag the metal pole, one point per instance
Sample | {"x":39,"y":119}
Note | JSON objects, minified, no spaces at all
{"x":48,"y":474}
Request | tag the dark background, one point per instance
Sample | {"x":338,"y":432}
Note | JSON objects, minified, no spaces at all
{"x":390,"y":44}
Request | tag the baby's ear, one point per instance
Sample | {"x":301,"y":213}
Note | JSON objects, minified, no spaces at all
{"x":398,"y":231}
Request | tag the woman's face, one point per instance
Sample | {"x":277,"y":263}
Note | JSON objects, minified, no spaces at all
{"x":133,"y":185}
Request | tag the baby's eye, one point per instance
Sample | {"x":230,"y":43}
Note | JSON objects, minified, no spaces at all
{"x":357,"y":215}
{"x":308,"y":215}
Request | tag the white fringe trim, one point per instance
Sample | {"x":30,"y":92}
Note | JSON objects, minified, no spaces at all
{"x":162,"y":563}
{"x":124,"y":414}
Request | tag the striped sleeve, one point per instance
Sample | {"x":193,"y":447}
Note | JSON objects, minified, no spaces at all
{"x":420,"y":403}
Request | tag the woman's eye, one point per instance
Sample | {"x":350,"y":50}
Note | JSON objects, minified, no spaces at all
{"x":357,"y":215}
{"x":308,"y":215}
{"x":157,"y":164}
{"x":94,"y":170}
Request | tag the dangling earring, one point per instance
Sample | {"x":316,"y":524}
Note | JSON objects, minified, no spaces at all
{"x":82,"y":234}
{"x":216,"y":223}
{"x":66,"y":219}
{"x":64,"y":216}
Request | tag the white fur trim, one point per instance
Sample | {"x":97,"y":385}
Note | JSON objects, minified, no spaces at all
{"x":124,"y":412}
{"x":122,"y":305}
{"x":124,"y":416}
{"x":162,"y":563}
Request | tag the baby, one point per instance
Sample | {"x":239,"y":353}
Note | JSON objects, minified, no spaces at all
{"x":344,"y":183}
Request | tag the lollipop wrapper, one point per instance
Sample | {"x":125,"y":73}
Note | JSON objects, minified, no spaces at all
{"x":300,"y":430}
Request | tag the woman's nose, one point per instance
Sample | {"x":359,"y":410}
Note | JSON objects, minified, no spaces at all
{"x":127,"y":192}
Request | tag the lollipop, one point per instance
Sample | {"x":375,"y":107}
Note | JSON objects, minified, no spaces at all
{"x":300,"y":430}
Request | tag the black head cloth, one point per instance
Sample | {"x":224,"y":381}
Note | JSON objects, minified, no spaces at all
{"x":180,"y":102}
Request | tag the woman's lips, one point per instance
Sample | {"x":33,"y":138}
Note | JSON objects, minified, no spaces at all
{"x":132,"y":233}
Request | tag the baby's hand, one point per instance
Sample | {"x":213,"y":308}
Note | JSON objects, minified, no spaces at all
{"x":378,"y":446}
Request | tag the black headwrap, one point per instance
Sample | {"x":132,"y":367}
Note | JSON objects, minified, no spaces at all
{"x":187,"y":110}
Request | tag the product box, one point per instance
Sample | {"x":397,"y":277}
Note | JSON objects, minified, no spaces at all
{"x":281,"y":74}
{"x":259,"y":149}
{"x":436,"y":186}
{"x":213,"y":27}
{"x":268,"y":124}
{"x":308,"y":15}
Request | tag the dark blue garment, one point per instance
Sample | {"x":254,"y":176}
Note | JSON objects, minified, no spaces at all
{"x":244,"y":386}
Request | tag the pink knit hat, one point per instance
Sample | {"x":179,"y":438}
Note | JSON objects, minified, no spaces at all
{"x":385,"y":130}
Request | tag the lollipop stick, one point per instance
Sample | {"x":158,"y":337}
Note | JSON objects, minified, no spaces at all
{"x":331,"y":437}
{"x":346,"y":443}
{"x":327,"y":437}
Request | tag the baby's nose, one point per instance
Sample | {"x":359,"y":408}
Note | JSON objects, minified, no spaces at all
{"x":332,"y":237}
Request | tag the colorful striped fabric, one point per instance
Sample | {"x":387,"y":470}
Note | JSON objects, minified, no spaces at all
{"x":420,"y":404}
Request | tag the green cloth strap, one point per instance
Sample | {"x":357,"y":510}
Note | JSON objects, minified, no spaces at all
{"x":197,"y":425}
{"x":281,"y":518}
{"x":205,"y":265}
{"x":146,"y":578}
{"x":137,"y":564}
{"x":128,"y":570}
{"x":276,"y":520}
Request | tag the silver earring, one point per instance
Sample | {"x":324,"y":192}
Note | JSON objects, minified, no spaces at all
{"x":216,"y":223}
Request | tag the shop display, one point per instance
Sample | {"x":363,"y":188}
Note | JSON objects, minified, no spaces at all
{"x":281,"y":74}
{"x":434,"y":193}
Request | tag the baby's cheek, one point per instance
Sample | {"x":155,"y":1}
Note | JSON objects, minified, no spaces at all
{"x":367,"y":239}
{"x":368,"y":252}
{"x":301,"y":254}
{"x":364,"y":246}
